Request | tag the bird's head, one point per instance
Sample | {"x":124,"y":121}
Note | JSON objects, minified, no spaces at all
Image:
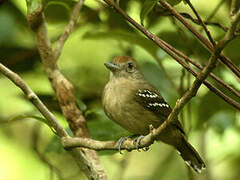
{"x":123,"y":66}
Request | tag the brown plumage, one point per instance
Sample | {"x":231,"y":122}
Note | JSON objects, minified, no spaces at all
{"x":130,"y":101}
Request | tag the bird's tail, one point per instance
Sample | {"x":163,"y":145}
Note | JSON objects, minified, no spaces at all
{"x":191,"y":156}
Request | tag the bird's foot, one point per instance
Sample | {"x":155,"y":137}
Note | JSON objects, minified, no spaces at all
{"x":137,"y":142}
{"x":139,"y":138}
{"x":121,"y":140}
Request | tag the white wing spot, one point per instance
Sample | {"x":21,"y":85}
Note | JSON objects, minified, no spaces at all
{"x":188,"y":163}
{"x":197,"y":169}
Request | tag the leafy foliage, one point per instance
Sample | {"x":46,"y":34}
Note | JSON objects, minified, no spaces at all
{"x":101,"y":34}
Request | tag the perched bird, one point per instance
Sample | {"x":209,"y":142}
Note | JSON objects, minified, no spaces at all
{"x":130,"y":101}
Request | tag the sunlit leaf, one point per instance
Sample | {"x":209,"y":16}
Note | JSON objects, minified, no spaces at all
{"x":132,"y":38}
{"x":54,"y":145}
{"x":146,"y":8}
{"x":39,"y":118}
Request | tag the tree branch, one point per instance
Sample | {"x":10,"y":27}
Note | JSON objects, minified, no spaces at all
{"x":68,"y":142}
{"x":68,"y":30}
{"x":86,"y":159}
{"x":201,"y":22}
{"x":196,"y":21}
{"x":202,"y":39}
{"x":174,"y":53}
{"x":149,"y":139}
{"x":51,"y":119}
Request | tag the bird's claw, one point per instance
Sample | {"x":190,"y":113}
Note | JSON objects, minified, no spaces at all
{"x":138,"y":139}
{"x":120,"y":141}
{"x":138,"y":143}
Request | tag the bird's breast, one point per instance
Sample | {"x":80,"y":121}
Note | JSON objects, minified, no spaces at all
{"x":120,"y":106}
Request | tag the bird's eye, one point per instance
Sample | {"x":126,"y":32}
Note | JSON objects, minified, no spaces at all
{"x":130,"y":67}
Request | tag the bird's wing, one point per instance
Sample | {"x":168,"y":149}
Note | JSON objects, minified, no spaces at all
{"x":151,"y":100}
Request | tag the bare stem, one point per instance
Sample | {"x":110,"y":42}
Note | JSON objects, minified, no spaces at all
{"x":201,"y":22}
{"x":68,"y":29}
{"x":18,"y":81}
{"x":201,"y":38}
{"x":149,"y":139}
{"x":174,"y":53}
{"x":86,"y":159}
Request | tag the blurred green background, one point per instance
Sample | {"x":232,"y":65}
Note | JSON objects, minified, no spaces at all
{"x":29,"y":149}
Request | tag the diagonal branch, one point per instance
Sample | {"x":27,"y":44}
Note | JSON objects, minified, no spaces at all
{"x":149,"y":139}
{"x":68,"y":30}
{"x":174,"y":53}
{"x":86,"y":159}
{"x":18,"y":81}
{"x":196,"y":21}
{"x":201,"y":22}
{"x":188,"y":95}
{"x":202,"y":39}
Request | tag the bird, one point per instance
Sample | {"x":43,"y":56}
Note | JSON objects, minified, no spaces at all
{"x":133,"y":103}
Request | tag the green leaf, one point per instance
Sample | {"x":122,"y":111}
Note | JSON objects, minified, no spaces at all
{"x":19,"y":117}
{"x":148,"y":5}
{"x":173,"y":2}
{"x":39,"y":118}
{"x":132,"y":38}
{"x":146,"y":8}
{"x":54,"y":145}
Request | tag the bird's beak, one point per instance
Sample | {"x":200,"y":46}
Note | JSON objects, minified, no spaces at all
{"x":111,"y":66}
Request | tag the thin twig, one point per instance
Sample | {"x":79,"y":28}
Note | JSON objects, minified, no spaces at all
{"x":201,"y":22}
{"x":204,"y":73}
{"x":68,"y":30}
{"x":196,"y":21}
{"x":68,"y":142}
{"x":235,"y":92}
{"x":86,"y":159}
{"x":201,"y":38}
{"x":212,"y":75}
{"x":174,"y":53}
{"x":129,"y":145}
{"x":17,"y":80}
{"x":215,"y":10}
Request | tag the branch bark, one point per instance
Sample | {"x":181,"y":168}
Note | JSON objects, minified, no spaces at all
{"x":174,"y":53}
{"x":201,"y":22}
{"x":87,"y":159}
{"x":18,"y":81}
{"x":202,"y":39}
{"x":188,"y":95}
{"x":68,"y":30}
